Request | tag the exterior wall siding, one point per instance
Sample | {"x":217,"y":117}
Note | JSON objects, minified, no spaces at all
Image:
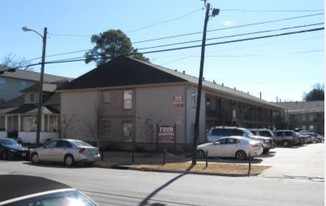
{"x":77,"y":110}
{"x":156,"y":105}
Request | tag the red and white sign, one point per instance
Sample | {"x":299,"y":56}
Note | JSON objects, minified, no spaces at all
{"x":178,"y":101}
{"x":166,"y":134}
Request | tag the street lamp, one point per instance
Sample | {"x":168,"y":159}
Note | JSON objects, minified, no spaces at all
{"x":40,"y":99}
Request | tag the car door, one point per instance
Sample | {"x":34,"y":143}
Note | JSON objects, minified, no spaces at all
{"x":279,"y":136}
{"x":231,"y":147}
{"x":217,"y":148}
{"x":61,"y":150}
{"x":47,"y":151}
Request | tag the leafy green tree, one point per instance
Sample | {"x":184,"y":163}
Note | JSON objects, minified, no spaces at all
{"x":111,"y":44}
{"x":317,"y":93}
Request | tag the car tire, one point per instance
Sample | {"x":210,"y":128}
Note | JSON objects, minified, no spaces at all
{"x":241,"y":155}
{"x":286,"y":143}
{"x":265,"y":151}
{"x":35,"y":158}
{"x":69,"y":160}
{"x":201,"y":154}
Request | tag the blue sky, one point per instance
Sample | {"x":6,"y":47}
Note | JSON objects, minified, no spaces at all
{"x":282,"y":67}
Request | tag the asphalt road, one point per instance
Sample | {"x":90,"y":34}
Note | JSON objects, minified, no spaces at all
{"x":126,"y":187}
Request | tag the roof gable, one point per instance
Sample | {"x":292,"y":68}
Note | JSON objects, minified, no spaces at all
{"x":33,"y":76}
{"x":122,"y":71}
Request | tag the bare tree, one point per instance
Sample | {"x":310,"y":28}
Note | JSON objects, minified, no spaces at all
{"x":147,"y":128}
{"x":67,"y":126}
{"x":93,"y":123}
{"x":11,"y":61}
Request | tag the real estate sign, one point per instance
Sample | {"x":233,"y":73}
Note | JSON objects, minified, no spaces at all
{"x":166,"y":134}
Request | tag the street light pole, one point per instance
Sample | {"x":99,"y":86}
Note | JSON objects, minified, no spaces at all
{"x":40,"y":92}
{"x":200,"y":83}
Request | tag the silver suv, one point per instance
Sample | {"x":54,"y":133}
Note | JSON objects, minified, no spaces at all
{"x":264,"y":133}
{"x":220,"y":131}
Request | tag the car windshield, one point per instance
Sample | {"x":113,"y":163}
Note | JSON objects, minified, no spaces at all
{"x":81,"y":143}
{"x":61,"y":198}
{"x":8,"y":142}
{"x":247,"y":133}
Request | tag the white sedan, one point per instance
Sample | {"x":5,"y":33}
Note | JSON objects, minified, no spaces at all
{"x":233,"y":146}
{"x":67,"y":151}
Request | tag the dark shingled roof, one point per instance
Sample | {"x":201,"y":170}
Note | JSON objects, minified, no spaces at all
{"x":126,"y":71}
{"x":122,"y":71}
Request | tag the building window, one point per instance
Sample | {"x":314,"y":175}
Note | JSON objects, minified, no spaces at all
{"x":106,"y":97}
{"x":127,"y":99}
{"x":127,"y":132}
{"x":105,"y":127}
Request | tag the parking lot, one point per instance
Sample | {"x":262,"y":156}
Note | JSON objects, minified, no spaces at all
{"x":302,"y":161}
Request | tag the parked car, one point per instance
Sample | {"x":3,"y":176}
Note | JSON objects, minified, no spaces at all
{"x":67,"y":151}
{"x":313,"y":135}
{"x":286,"y":138}
{"x":23,"y":190}
{"x":304,"y":138}
{"x":10,"y":149}
{"x":320,"y":137}
{"x":232,"y":146}
{"x":221,"y":131}
{"x":263,"y":132}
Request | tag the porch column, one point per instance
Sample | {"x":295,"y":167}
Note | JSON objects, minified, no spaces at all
{"x":6,"y":123}
{"x":19,"y":123}
{"x":42,"y":123}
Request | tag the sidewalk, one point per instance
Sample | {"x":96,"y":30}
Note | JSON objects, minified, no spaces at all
{"x":116,"y":159}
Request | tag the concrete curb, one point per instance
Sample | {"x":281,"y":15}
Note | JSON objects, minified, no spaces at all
{"x":132,"y":167}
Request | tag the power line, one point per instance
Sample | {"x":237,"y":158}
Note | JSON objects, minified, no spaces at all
{"x":131,"y":31}
{"x":188,"y":34}
{"x":230,"y":36}
{"x":163,"y":22}
{"x":233,"y":27}
{"x":76,"y":59}
{"x":274,"y":11}
{"x":234,"y":41}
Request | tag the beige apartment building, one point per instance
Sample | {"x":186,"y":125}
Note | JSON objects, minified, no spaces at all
{"x":305,"y":115}
{"x":128,"y":103}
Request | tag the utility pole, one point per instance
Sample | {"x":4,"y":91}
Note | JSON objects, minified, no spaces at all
{"x":40,"y":92}
{"x":200,"y":82}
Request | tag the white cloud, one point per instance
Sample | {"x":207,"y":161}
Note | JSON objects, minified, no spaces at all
{"x":228,"y":23}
